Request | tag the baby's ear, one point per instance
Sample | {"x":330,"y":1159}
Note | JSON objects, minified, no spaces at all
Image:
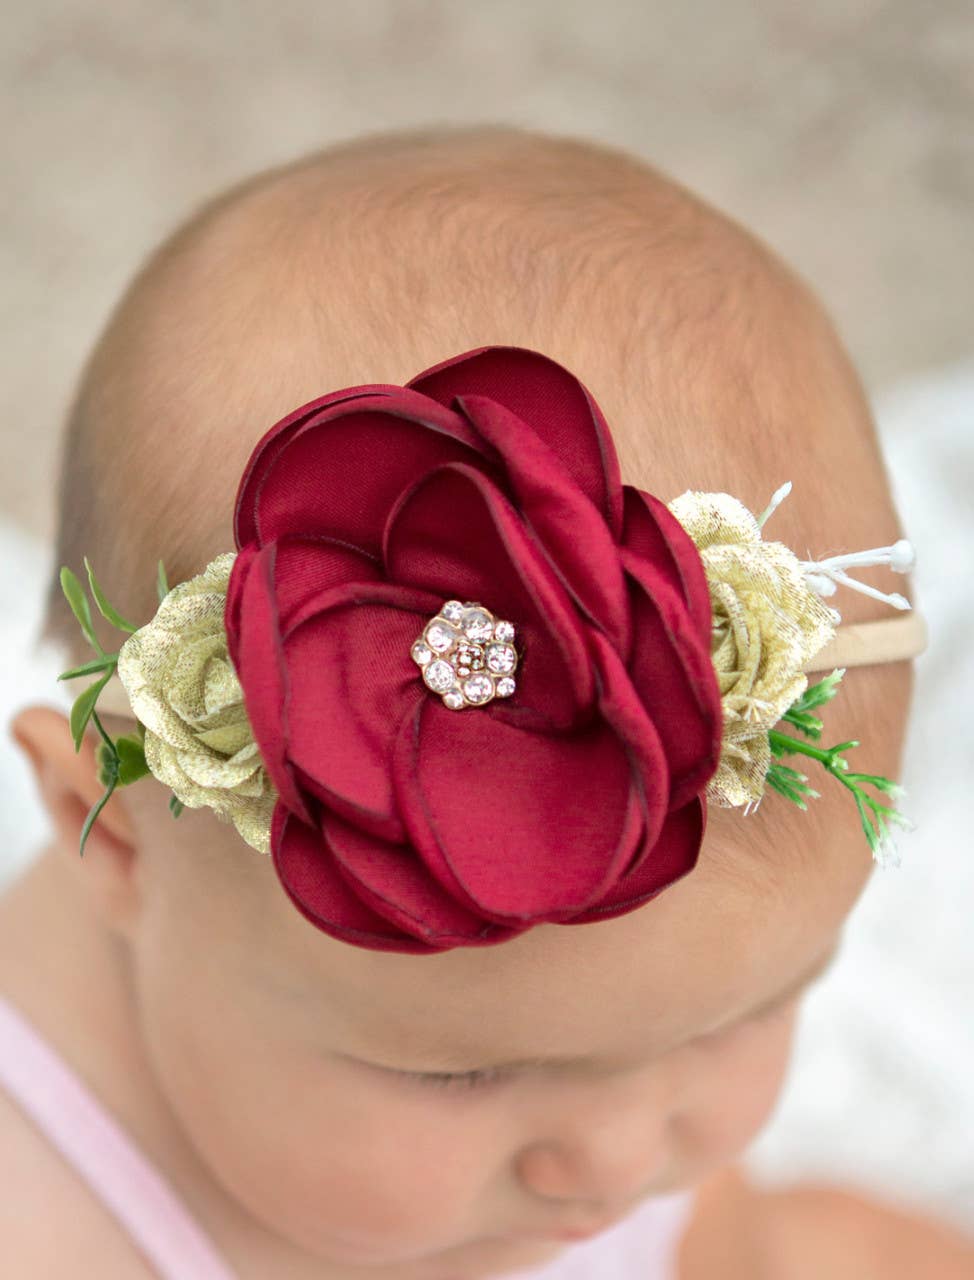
{"x":68,"y":784}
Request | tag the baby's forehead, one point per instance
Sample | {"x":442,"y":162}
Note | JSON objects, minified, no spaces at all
{"x":711,"y":948}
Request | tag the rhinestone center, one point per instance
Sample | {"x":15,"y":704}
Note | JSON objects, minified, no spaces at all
{"x":466,"y":655}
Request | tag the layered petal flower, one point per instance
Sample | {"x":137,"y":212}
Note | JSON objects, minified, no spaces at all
{"x":402,"y":824}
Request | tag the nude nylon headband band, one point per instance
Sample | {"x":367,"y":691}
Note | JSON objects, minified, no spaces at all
{"x":859,"y":644}
{"x":864,"y":644}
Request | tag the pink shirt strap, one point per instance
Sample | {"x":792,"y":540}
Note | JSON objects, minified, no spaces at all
{"x":103,"y":1154}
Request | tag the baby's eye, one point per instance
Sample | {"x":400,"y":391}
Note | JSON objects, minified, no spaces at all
{"x":446,"y":1079}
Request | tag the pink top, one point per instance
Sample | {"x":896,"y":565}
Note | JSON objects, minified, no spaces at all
{"x":642,"y":1247}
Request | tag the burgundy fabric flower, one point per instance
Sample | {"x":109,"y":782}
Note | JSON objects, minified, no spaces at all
{"x":401,"y":824}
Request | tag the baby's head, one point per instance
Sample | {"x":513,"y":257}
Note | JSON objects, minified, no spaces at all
{"x":659,"y":1038}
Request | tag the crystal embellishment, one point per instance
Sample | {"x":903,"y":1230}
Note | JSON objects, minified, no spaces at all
{"x":466,"y":655}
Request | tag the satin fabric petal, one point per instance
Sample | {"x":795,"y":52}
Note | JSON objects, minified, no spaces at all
{"x":552,"y":401}
{"x":303,"y":568}
{"x":232,"y":609}
{"x":289,"y":573}
{"x":397,"y":886}
{"x":620,"y":707}
{"x":653,"y":532}
{"x":508,"y":857}
{"x":309,"y":876}
{"x":674,"y":678}
{"x":274,"y":440}
{"x":255,"y":650}
{"x":352,"y":680}
{"x":454,"y":533}
{"x":657,"y":865}
{"x":361,"y":452}
{"x":566,"y":523}
{"x":306,"y":567}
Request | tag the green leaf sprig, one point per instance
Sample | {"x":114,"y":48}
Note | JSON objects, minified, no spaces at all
{"x":791,"y":784}
{"x":123,"y":761}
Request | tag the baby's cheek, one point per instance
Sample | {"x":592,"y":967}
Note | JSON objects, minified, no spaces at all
{"x":736,"y":1084}
{"x":353,"y":1173}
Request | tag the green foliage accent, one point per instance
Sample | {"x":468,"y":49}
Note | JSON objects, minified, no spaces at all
{"x":104,"y":607}
{"x":131,"y":760}
{"x":834,"y":762}
{"x":790,"y":783}
{"x":118,"y":763}
{"x":106,"y":761}
{"x":76,"y":598}
{"x":162,"y":586}
{"x":817,"y":695}
{"x":176,"y":806}
{"x":89,"y":668}
{"x":107,"y":776}
{"x":121,"y":762}
{"x":799,"y":713}
{"x":84,"y":707}
{"x":90,"y":820}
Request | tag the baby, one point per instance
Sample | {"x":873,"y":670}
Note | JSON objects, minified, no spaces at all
{"x":289,"y":1086}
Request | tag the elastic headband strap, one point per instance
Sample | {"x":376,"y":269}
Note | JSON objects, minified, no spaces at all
{"x":863,"y":644}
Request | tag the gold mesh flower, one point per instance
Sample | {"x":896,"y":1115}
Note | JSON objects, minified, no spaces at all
{"x":767,"y":623}
{"x":182,"y":686}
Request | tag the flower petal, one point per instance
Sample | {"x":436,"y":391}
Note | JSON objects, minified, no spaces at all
{"x":622,"y":709}
{"x":553,"y":401}
{"x":254,"y":644}
{"x":231,"y":609}
{"x":521,"y":826}
{"x":393,"y":881}
{"x":314,"y":880}
{"x":673,"y":674}
{"x":307,"y":566}
{"x":652,"y":532}
{"x":455,"y":534}
{"x":351,"y":680}
{"x":568,"y":525}
{"x":337,"y":470}
{"x":658,"y":864}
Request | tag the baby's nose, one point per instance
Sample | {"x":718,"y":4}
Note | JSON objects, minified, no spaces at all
{"x":609,"y":1150}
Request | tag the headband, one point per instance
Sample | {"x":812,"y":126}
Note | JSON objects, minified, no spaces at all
{"x":458,"y":680}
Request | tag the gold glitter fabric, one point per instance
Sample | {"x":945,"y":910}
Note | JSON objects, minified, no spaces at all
{"x":182,"y":686}
{"x":767,"y":623}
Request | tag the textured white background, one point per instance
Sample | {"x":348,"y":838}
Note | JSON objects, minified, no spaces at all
{"x":840,"y":132}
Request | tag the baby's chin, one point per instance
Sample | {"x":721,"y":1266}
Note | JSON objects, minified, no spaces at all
{"x":476,"y":1258}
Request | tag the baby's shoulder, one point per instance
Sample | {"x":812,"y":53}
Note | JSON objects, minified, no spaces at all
{"x":49,"y":1218}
